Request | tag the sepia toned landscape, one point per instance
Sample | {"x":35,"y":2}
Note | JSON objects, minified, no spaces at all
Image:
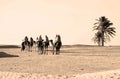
{"x":74,"y":61}
{"x":59,"y":39}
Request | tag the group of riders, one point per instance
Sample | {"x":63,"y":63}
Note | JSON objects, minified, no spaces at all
{"x":41,"y":45}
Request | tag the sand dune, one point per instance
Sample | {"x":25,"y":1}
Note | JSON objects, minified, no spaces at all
{"x":88,"y":62}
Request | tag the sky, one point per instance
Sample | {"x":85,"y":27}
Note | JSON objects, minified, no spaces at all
{"x":72,"y":19}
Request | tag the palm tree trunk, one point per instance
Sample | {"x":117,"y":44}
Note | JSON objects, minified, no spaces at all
{"x":99,"y":42}
{"x":103,"y":38}
{"x":102,"y":42}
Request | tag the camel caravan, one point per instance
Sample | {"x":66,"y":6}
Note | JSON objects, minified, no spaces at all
{"x":41,"y":46}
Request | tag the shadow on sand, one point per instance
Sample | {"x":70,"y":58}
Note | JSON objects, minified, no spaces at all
{"x":4,"y":54}
{"x":67,"y":51}
{"x":9,"y":46}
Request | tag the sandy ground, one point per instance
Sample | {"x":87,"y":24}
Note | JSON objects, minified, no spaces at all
{"x":113,"y":74}
{"x":71,"y":61}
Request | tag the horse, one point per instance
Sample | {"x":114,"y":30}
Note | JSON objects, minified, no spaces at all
{"x":22,"y":46}
{"x":25,"y":44}
{"x":31,"y":43}
{"x":46,"y":44}
{"x":40,"y":45}
{"x":36,"y":44}
{"x":57,"y":45}
{"x":51,"y":41}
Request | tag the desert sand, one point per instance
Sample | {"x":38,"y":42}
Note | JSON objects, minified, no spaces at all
{"x":74,"y":62}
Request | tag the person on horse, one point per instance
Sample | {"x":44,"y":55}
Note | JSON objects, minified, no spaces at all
{"x":23,"y":45}
{"x":40,"y":44}
{"x":27,"y":43}
{"x":58,"y":44}
{"x":31,"y":43}
{"x":46,"y":44}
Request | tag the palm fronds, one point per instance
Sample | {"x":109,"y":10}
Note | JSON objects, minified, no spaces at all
{"x":104,"y":31}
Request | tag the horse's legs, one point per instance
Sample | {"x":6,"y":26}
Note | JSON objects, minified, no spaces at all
{"x":22,"y":48}
{"x":53,"y":50}
{"x":26,"y":48}
{"x":31,"y":48}
{"x":42,"y":50}
{"x":57,"y":51}
{"x":46,"y":50}
{"x":38,"y":50}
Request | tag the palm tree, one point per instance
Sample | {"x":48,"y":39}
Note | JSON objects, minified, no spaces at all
{"x":104,"y":31}
{"x":98,"y":38}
